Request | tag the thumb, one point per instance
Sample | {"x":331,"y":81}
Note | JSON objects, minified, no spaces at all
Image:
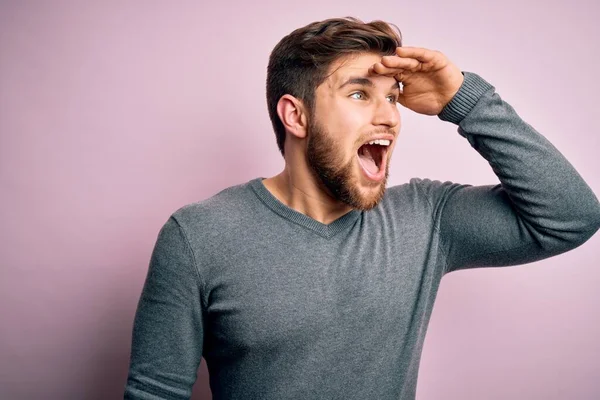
{"x":402,"y":99}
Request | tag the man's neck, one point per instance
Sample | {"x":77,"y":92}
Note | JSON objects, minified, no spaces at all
{"x":302,"y":193}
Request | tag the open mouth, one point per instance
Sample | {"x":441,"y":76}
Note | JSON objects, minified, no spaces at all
{"x":372,"y":157}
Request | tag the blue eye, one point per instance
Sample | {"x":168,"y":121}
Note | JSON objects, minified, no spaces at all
{"x":393,"y":98}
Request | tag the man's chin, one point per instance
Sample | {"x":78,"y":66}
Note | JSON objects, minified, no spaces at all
{"x":367,"y":197}
{"x":371,"y":202}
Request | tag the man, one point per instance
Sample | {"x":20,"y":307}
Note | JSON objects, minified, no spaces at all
{"x":319,"y":283}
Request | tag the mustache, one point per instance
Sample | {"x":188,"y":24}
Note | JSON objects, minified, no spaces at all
{"x":364,"y":138}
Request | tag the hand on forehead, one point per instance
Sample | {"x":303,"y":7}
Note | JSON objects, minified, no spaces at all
{"x":358,"y":69}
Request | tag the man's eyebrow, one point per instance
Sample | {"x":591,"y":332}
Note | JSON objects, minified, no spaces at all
{"x":364,"y":82}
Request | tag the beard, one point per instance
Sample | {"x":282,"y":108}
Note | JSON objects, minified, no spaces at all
{"x":326,"y":163}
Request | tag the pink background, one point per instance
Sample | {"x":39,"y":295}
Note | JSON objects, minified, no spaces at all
{"x":112,"y":116}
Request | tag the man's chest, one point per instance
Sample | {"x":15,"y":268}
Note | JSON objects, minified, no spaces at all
{"x":269,"y":296}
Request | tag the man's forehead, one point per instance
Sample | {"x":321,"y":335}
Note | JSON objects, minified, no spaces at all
{"x":355,"y":65}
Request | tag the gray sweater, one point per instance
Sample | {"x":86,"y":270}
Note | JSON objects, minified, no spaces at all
{"x":282,"y":306}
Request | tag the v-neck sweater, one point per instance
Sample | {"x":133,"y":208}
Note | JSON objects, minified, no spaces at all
{"x":282,"y":306}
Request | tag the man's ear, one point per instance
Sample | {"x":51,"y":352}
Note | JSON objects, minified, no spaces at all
{"x":292,"y":113}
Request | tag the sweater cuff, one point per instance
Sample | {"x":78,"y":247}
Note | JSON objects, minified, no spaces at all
{"x":472,"y":88}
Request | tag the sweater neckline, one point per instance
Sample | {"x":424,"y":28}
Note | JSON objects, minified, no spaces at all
{"x":325,"y":230}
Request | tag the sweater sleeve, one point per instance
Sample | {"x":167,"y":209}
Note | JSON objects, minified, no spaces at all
{"x":168,"y":327}
{"x":542,"y":206}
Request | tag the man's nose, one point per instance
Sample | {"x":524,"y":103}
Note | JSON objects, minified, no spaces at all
{"x":386,"y":113}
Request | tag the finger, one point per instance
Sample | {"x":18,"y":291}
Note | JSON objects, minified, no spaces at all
{"x":401,"y":62}
{"x":381,"y":69}
{"x":419,"y":53}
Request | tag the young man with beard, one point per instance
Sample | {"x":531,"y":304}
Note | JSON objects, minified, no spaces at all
{"x":319,"y":283}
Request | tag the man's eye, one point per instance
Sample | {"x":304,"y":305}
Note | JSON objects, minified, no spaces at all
{"x":361,"y":96}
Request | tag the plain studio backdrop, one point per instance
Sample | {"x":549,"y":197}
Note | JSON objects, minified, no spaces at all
{"x":114,"y":115}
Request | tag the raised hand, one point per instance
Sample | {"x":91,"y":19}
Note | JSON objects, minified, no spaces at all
{"x":429,"y":79}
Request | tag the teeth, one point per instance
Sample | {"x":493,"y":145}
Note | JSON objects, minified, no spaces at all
{"x":382,"y":142}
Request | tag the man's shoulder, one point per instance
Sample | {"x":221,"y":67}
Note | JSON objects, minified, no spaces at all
{"x":419,"y":195}
{"x":418,"y":189}
{"x":222,"y":210}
